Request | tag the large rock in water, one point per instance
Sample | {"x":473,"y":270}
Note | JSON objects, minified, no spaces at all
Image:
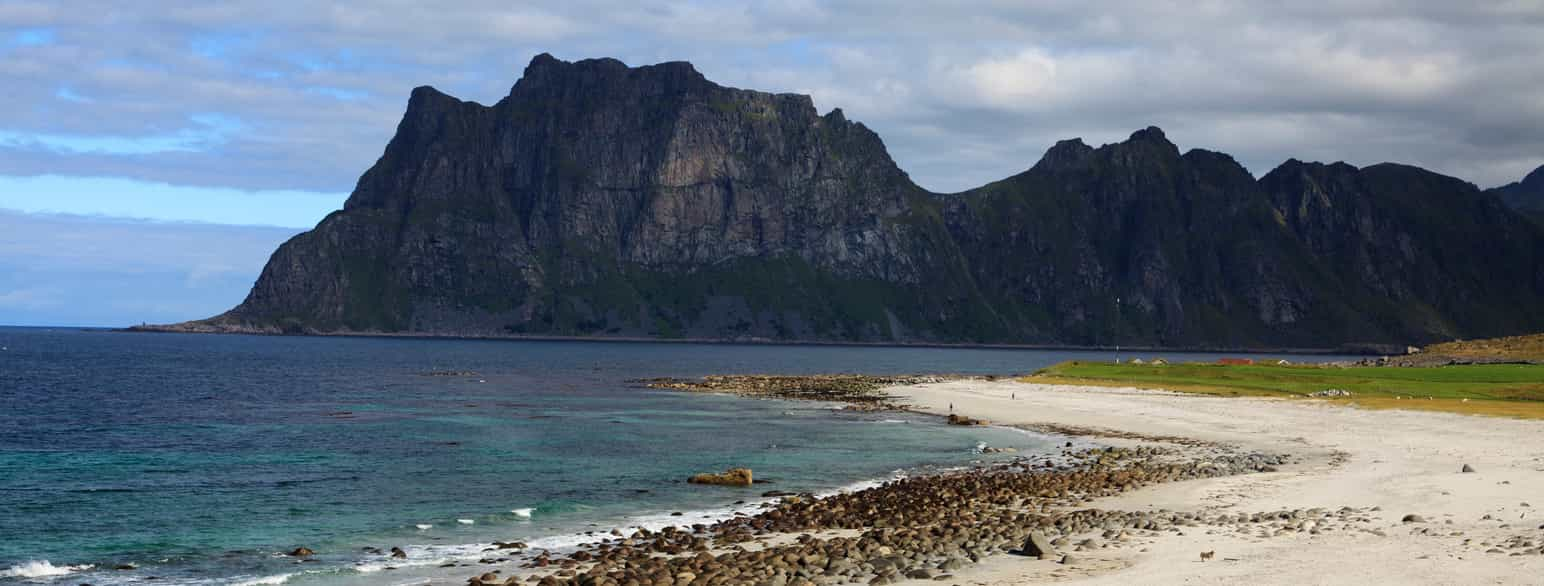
{"x":601,"y":199}
{"x":733,"y":477}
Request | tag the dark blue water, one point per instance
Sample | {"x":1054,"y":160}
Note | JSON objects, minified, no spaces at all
{"x":199,"y":459}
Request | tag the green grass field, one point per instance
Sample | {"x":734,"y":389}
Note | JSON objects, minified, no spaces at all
{"x":1515,"y":390}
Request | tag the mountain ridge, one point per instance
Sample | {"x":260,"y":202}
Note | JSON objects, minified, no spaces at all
{"x":598,"y":199}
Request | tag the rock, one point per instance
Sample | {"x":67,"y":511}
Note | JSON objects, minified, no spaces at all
{"x":962,"y":420}
{"x":125,"y":567}
{"x":1467,"y":469}
{"x":1068,"y":560}
{"x":1036,"y":545}
{"x":397,"y":552}
{"x":301,"y":552}
{"x":733,"y":477}
{"x":1412,"y":518}
{"x":953,"y":565}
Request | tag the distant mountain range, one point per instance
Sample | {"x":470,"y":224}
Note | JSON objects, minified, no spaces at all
{"x":603,"y":200}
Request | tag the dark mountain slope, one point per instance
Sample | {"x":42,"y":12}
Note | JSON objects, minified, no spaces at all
{"x":1526,"y":196}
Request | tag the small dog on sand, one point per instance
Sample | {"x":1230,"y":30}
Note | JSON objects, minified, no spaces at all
{"x":1206,"y":555}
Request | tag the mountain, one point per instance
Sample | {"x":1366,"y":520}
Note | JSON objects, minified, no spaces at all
{"x":605,"y":200}
{"x":1526,"y":196}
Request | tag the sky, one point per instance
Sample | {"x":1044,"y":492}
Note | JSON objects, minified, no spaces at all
{"x":153,"y":155}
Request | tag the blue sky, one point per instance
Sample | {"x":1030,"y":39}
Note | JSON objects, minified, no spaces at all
{"x":222,"y":128}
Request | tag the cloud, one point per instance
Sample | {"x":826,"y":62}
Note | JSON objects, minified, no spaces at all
{"x":76,"y":270}
{"x":963,"y":93}
{"x":95,"y":196}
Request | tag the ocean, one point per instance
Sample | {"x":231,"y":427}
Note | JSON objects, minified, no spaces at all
{"x":202,"y":459}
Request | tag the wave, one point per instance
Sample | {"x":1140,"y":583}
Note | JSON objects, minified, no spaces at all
{"x":425,"y":555}
{"x":41,"y":569}
{"x":526,"y":512}
{"x":264,"y":581}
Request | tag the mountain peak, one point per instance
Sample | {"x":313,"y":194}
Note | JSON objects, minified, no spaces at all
{"x":1149,"y":134}
{"x":546,"y":71}
{"x":1064,"y":154}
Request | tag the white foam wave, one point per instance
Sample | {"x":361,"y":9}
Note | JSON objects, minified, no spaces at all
{"x":424,"y":526}
{"x":264,"y":581}
{"x":526,"y":512}
{"x":466,"y":521}
{"x":426,"y":555}
{"x":41,"y":569}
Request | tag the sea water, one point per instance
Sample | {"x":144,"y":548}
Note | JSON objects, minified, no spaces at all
{"x":203,"y":459}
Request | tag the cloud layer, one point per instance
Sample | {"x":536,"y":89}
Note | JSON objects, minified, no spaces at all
{"x":83,"y":271}
{"x":303,"y":95}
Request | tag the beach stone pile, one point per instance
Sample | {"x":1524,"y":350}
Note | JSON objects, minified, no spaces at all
{"x":921,"y":527}
{"x":859,"y":390}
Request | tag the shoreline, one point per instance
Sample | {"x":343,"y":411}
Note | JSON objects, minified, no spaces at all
{"x":838,"y":544}
{"x":1356,"y":349}
{"x":435,"y":560}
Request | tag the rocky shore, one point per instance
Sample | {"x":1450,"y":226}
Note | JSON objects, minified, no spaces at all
{"x":921,"y":527}
{"x":1193,"y":490}
{"x":858,"y":391}
{"x":924,"y":527}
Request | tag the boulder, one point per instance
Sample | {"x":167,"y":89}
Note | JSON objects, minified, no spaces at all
{"x":301,"y":552}
{"x":1467,"y":469}
{"x":733,"y":477}
{"x":962,"y":420}
{"x":1413,"y":518}
{"x":397,"y":552}
{"x":1038,"y":546}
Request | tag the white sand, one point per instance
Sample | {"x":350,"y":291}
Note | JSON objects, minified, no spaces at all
{"x":1402,"y":461}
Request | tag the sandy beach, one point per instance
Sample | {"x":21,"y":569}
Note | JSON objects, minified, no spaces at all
{"x":1479,"y":527}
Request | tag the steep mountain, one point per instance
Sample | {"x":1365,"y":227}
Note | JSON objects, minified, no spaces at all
{"x":599,"y":199}
{"x":1526,"y":196}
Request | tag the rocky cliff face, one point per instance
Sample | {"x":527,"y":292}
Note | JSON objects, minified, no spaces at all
{"x":598,"y":199}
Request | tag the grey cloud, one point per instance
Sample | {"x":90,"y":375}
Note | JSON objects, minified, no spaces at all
{"x":964,"y":93}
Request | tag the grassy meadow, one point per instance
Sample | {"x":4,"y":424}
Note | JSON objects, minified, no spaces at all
{"x":1514,"y":390}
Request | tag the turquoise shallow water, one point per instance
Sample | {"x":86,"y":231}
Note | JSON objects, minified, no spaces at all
{"x":199,"y":459}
